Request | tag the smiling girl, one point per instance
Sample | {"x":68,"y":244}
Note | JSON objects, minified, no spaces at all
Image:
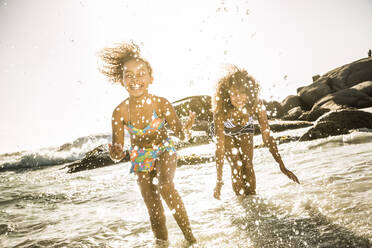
{"x":235,"y":104}
{"x":152,"y":152}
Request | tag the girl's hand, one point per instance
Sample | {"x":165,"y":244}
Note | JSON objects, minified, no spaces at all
{"x":217,"y":190}
{"x":116,"y":152}
{"x":289,"y":174}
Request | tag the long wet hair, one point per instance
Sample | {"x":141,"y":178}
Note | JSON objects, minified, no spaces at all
{"x":239,"y":79}
{"x":114,"y":58}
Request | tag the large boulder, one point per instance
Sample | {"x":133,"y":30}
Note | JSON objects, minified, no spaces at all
{"x":365,"y":87}
{"x":349,"y":75}
{"x":274,"y":109}
{"x":293,"y":114}
{"x":201,"y":105}
{"x":338,"y":122}
{"x":315,"y":91}
{"x":313,"y":114}
{"x":359,"y":96}
{"x":98,"y":157}
{"x":323,"y":129}
{"x":279,"y":125}
{"x":346,"y":98}
{"x":359,"y":71}
{"x":291,"y":102}
{"x":337,"y":79}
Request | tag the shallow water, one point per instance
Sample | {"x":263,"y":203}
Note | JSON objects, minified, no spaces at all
{"x":103,"y":208}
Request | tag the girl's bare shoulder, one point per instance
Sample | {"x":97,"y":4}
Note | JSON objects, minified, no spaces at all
{"x":160,"y":104}
{"x":124,"y":104}
{"x":121,"y":109}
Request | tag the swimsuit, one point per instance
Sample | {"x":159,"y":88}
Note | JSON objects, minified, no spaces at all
{"x":155,"y":124}
{"x":235,"y":130}
{"x":143,"y":159}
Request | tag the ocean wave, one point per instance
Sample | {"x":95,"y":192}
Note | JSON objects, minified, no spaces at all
{"x":66,"y":153}
{"x":83,"y":142}
{"x":35,"y":160}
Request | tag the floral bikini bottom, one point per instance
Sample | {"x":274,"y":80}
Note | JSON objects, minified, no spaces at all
{"x":143,"y":159}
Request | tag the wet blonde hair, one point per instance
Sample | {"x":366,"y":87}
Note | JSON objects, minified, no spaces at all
{"x":238,"y":79}
{"x":114,"y":58}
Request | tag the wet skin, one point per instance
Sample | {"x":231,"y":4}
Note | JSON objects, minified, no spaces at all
{"x":239,"y":150}
{"x":138,"y":111}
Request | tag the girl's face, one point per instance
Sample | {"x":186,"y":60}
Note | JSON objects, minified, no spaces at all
{"x":238,"y":98}
{"x":136,"y":77}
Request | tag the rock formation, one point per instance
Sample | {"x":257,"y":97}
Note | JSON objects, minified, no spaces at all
{"x":338,"y":122}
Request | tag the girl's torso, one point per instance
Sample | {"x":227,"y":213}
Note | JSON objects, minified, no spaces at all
{"x":145,"y":122}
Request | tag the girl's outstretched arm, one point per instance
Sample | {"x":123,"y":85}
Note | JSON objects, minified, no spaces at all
{"x":116,"y":149}
{"x":270,"y":142}
{"x":181,"y":131}
{"x":220,"y":155}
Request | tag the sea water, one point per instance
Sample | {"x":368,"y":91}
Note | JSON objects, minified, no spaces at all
{"x":43,"y":206}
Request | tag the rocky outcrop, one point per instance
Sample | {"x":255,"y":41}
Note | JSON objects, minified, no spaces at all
{"x":312,"y":93}
{"x":291,"y":102}
{"x":351,"y":97}
{"x":279,"y":126}
{"x":201,"y":105}
{"x":338,"y":122}
{"x":365,"y":87}
{"x":274,"y":109}
{"x":98,"y":157}
{"x":348,"y":86}
{"x":293,"y":114}
{"x":313,"y":114}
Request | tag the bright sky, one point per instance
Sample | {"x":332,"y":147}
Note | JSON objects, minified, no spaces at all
{"x":51,"y":91}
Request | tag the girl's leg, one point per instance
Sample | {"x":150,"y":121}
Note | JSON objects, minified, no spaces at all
{"x":151,"y":196}
{"x":249,"y":177}
{"x":233,"y":156}
{"x":166,"y":168}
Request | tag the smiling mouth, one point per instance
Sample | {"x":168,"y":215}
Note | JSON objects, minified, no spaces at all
{"x":136,"y":86}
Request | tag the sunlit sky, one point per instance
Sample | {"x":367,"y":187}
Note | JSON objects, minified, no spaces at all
{"x":51,"y":91}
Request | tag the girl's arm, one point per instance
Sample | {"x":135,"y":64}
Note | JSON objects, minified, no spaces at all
{"x":181,"y":131}
{"x":116,"y":149}
{"x":270,"y":142}
{"x":220,"y":154}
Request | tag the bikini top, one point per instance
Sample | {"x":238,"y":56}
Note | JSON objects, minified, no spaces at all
{"x":231,"y":129}
{"x":154,"y":125}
